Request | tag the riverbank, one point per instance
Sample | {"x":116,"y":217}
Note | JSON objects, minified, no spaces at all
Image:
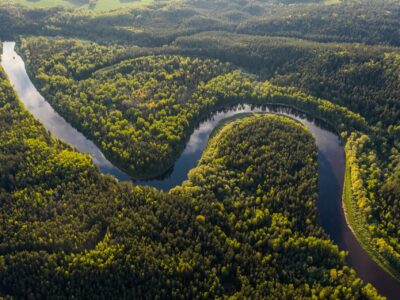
{"x":355,"y":221}
{"x":331,"y":160}
{"x":226,"y":121}
{"x":131,"y":159}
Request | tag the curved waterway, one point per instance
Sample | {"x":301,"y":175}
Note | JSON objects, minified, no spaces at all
{"x":331,"y":164}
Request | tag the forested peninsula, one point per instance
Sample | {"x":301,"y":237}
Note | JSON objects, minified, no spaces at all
{"x":137,"y":81}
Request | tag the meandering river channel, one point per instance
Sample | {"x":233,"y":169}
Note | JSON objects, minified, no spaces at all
{"x":331,"y":164}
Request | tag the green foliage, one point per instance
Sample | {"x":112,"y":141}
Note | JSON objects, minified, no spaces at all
{"x":138,"y":111}
{"x":363,"y":78}
{"x":225,"y":232}
{"x":141,"y":111}
{"x":140,"y":104}
{"x":371,"y":22}
{"x":96,"y":5}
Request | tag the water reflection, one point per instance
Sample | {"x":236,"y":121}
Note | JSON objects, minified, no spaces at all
{"x":15,"y":68}
{"x":198,"y":140}
{"x":331,"y":163}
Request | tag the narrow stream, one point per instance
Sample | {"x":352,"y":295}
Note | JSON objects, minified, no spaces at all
{"x":331,"y":164}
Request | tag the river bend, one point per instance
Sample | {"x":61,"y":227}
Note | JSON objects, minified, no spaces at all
{"x":331,"y":164}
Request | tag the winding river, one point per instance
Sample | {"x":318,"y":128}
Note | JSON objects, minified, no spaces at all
{"x":331,"y":164}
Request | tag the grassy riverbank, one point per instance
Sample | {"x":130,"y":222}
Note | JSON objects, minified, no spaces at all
{"x":355,"y":221}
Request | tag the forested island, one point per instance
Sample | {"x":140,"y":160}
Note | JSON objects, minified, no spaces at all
{"x":245,"y":224}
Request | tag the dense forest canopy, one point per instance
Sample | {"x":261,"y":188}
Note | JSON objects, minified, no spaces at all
{"x":363,"y":78}
{"x":140,"y":111}
{"x":365,"y":21}
{"x":137,"y":82}
{"x":235,"y":231}
{"x":92,"y":5}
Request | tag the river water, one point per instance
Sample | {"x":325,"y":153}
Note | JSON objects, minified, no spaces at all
{"x":331,"y":164}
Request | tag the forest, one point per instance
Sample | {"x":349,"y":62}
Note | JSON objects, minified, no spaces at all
{"x":366,"y":21}
{"x":141,"y":111}
{"x":245,"y":223}
{"x":233,"y":224}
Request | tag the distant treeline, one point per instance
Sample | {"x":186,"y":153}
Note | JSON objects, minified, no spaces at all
{"x":370,"y":22}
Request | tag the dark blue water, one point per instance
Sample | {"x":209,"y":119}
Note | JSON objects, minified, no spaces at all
{"x":331,"y":164}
